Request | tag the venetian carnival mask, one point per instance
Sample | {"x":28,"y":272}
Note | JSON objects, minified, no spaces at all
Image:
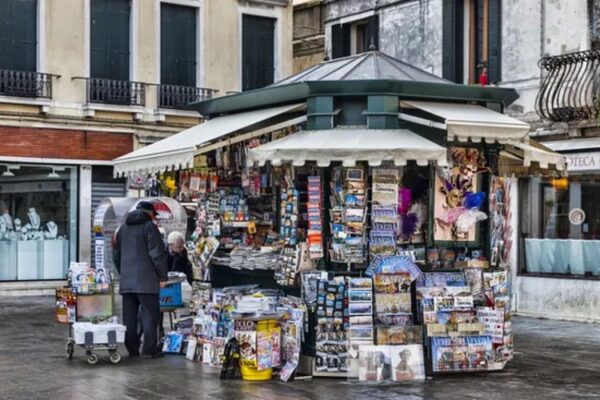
{"x":454,"y":198}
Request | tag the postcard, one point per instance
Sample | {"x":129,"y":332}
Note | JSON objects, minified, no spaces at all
{"x":360,"y":295}
{"x":360,"y":308}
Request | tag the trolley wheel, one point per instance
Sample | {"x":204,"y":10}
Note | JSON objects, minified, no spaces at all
{"x":70,"y":349}
{"x":92,"y":358}
{"x":115,"y":357}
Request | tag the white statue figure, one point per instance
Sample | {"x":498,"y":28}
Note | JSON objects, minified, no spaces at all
{"x":34,"y":219}
{"x":8,"y":220}
{"x":25,"y":232}
{"x":3,"y":229}
{"x":52,"y":230}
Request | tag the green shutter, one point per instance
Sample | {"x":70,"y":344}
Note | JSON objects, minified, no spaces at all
{"x":495,"y":41}
{"x":110,"y":30}
{"x":18,"y":35}
{"x":178,"y":45}
{"x":337,"y":41}
{"x":340,"y":40}
{"x":258,"y":48}
{"x":453,"y":40}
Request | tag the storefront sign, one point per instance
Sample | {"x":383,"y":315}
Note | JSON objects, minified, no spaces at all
{"x":577,"y":216}
{"x":583,"y":161}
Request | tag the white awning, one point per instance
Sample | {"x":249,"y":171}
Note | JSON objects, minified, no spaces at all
{"x":177,"y":151}
{"x":469,"y":122}
{"x":534,"y":152}
{"x":592,"y":143}
{"x":350,"y":146}
{"x":531,"y":158}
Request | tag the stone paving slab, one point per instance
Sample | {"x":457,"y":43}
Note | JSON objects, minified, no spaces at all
{"x":554,"y":360}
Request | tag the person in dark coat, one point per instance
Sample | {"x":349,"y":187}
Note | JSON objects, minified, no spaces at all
{"x":140,"y":257}
{"x":177,"y":259}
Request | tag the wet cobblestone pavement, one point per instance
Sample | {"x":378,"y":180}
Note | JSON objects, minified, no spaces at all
{"x":553,"y":360}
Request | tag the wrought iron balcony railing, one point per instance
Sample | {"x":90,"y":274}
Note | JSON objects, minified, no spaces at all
{"x":570,"y":91}
{"x":26,"y":84}
{"x":180,"y":97}
{"x":112,"y":91}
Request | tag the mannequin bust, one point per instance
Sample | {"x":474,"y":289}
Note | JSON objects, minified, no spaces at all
{"x":34,"y":219}
{"x":3,"y":229}
{"x":52,"y":230}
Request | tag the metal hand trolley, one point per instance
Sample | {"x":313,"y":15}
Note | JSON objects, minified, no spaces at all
{"x":91,"y":308}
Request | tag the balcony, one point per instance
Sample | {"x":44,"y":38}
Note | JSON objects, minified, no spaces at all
{"x":180,"y":97}
{"x":117,"y":92}
{"x":570,"y":88}
{"x":26,"y":84}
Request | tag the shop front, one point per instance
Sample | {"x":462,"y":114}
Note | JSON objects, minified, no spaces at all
{"x":367,"y":204}
{"x":560,"y":228}
{"x":38,"y":221}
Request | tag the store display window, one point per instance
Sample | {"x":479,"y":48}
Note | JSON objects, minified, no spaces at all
{"x":561,"y":225}
{"x":38,"y":221}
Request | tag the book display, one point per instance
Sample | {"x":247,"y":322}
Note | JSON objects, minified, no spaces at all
{"x":348,"y":215}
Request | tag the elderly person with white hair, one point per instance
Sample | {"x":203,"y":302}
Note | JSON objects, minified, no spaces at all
{"x":178,"y":260}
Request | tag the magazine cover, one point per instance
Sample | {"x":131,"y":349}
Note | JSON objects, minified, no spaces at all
{"x":393,"y":303}
{"x":449,"y":354}
{"x":407,"y":363}
{"x":399,"y":335}
{"x":173,"y":342}
{"x":374,"y":363}
{"x":245,"y":333}
{"x":442,"y":279}
{"x":480,"y":352}
{"x":396,"y":283}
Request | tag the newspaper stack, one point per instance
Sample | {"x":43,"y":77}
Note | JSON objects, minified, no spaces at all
{"x":248,"y":258}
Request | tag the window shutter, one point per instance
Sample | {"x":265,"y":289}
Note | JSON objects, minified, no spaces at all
{"x":337,"y":41}
{"x":178,"y":45}
{"x":495,"y":41}
{"x":452,"y":40}
{"x":18,"y":35}
{"x":109,"y":39}
{"x":373,"y":32}
{"x":6,"y":58}
{"x":258,"y":47}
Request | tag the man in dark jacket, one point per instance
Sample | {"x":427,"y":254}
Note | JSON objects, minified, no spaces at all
{"x":140,"y":257}
{"x":177,"y":259}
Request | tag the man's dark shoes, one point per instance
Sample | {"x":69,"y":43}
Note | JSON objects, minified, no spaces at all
{"x":158,"y":354}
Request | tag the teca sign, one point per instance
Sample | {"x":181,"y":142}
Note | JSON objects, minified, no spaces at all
{"x":583,"y":161}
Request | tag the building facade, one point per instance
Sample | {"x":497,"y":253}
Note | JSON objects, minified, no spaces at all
{"x":309,"y":33}
{"x":85,"y":81}
{"x":500,"y":42}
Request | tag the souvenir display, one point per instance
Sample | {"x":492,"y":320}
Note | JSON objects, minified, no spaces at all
{"x":383,"y":257}
{"x":331,"y":330}
{"x":287,"y":266}
{"x":457,"y":201}
{"x":360,"y":304}
{"x":288,"y":230}
{"x":384,"y":212}
{"x":315,"y":220}
{"x":348,"y":215}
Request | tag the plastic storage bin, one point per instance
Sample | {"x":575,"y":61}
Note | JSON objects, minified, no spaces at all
{"x":253,"y":374}
{"x":100,"y":332}
{"x":171,"y":296}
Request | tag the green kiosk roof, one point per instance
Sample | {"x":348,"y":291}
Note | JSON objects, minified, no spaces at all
{"x":370,"y":73}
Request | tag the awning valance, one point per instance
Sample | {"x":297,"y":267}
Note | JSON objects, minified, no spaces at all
{"x":177,"y":151}
{"x":350,"y":146}
{"x":465,"y":122}
{"x":531,"y":158}
{"x":535,"y":152}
